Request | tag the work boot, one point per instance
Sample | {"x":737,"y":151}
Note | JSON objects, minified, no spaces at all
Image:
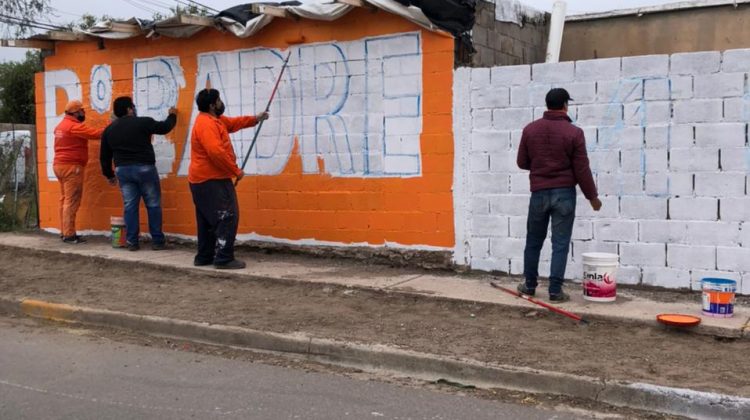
{"x":559,"y":297}
{"x":133,"y":247}
{"x":199,"y":263}
{"x":231,"y":265}
{"x":159,"y":246}
{"x":75,"y":239}
{"x":522,"y":289}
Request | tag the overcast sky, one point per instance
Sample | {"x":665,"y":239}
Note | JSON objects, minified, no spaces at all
{"x":69,"y":10}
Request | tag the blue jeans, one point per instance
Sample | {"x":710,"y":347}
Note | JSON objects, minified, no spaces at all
{"x":138,"y":181}
{"x":558,"y":204}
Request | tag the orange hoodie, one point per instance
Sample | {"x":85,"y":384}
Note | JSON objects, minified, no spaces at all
{"x":211,"y":152}
{"x":71,"y":141}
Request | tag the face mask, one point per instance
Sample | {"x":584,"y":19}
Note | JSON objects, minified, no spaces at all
{"x":220,"y":111}
{"x":81,"y":118}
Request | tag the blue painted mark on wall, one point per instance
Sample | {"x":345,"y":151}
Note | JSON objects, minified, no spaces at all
{"x":324,"y":130}
{"x":156,"y":87}
{"x":355,"y":105}
{"x":392,"y":140}
{"x":101,"y":88}
{"x":609,"y":138}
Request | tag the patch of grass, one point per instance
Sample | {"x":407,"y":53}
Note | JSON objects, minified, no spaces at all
{"x":7,"y":220}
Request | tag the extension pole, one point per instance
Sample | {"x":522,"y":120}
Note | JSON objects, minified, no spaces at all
{"x":540,"y":303}
{"x":268,"y":108}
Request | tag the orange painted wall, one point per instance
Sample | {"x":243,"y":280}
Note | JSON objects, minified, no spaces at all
{"x":291,"y":205}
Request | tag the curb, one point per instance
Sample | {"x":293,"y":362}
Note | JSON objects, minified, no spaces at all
{"x":676,"y":401}
{"x":742,"y":333}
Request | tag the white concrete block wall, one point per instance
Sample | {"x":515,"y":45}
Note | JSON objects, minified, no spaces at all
{"x":668,"y":144}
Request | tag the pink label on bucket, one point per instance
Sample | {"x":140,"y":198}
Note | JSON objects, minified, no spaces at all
{"x":599,"y":285}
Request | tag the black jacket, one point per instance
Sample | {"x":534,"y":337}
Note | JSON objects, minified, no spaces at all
{"x":128,"y":141}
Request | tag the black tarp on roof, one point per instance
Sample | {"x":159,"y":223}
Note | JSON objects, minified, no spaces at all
{"x":454,"y":16}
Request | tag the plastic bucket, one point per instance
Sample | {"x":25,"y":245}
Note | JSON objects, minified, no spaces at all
{"x":718,"y":297}
{"x":118,"y":232}
{"x":600,"y":276}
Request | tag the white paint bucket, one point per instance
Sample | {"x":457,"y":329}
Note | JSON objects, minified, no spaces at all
{"x":600,"y":276}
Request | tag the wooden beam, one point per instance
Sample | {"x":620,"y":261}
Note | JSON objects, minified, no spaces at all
{"x":27,"y":43}
{"x":21,"y":127}
{"x":125,"y":28}
{"x":66,"y":36}
{"x":263,"y":9}
{"x":197,"y":20}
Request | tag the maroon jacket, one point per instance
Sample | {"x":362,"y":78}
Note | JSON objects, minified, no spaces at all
{"x":554,"y":150}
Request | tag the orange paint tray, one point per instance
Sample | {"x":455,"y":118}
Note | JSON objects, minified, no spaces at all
{"x":678,"y":320}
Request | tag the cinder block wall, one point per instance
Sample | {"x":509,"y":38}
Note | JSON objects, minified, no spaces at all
{"x":506,"y":43}
{"x":668,"y":142}
{"x":358,"y":150}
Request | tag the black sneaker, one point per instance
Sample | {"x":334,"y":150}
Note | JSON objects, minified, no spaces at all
{"x":522,"y":289}
{"x":75,"y":239}
{"x":199,"y":263}
{"x":159,"y":246}
{"x":559,"y":297}
{"x":231,"y":265}
{"x":133,"y":247}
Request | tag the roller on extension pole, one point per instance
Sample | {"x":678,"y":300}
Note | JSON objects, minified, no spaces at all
{"x":268,"y":108}
{"x":540,"y":303}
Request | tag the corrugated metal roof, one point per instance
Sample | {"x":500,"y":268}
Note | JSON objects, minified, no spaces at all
{"x":246,"y":20}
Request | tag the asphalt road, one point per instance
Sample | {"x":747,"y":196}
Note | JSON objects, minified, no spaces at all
{"x":51,"y":372}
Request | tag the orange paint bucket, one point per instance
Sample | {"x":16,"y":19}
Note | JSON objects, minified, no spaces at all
{"x":718,"y":297}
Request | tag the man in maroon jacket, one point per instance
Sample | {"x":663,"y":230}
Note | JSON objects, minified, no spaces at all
{"x":554,"y":150}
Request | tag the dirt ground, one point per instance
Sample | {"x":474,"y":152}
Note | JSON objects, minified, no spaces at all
{"x":520,"y":337}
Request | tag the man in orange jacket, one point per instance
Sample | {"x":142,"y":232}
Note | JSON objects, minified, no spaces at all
{"x":213,"y":164}
{"x":71,"y":156}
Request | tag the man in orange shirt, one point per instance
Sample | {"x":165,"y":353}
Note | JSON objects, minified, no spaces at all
{"x":213,"y":164}
{"x":71,"y":156}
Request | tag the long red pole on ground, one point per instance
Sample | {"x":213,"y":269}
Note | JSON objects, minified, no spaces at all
{"x":540,"y":303}
{"x":268,"y":108}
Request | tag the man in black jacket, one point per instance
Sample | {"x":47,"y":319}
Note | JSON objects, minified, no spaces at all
{"x":128,"y":141}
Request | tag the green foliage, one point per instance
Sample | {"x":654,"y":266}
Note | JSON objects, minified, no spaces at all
{"x":17,"y":89}
{"x":88,"y":21}
{"x":182,"y":10}
{"x":17,"y":15}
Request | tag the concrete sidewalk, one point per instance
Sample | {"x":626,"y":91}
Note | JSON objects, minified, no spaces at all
{"x":629,"y":307}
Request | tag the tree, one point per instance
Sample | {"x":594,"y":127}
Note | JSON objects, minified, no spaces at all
{"x":19,"y":16}
{"x":17,"y":89}
{"x":180,"y":10}
{"x":87,"y":21}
